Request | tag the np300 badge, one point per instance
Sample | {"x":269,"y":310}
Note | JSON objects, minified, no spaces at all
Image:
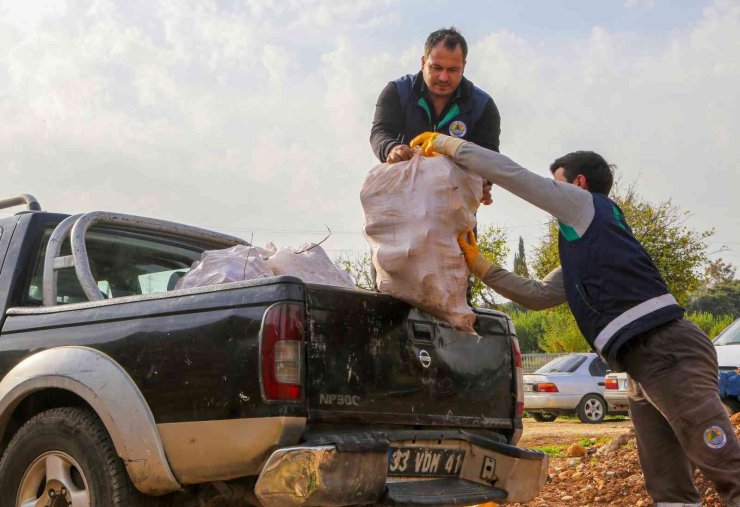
{"x":425,"y":359}
{"x":339,"y":399}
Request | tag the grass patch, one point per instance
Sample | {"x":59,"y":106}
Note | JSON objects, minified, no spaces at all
{"x":608,"y":417}
{"x":616,"y":418}
{"x":554,"y":451}
{"x":590,"y":442}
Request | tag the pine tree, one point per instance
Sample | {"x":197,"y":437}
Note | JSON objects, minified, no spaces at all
{"x":520,"y":261}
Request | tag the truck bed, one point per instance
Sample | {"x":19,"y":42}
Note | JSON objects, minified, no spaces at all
{"x":374,"y":359}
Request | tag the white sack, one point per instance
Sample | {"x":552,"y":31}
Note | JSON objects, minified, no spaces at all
{"x":249,"y":262}
{"x":414,"y":212}
{"x":311,"y":266}
{"x":233,"y":264}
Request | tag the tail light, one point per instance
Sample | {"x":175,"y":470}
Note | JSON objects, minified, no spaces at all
{"x":281,"y":350}
{"x":546,"y":387}
{"x":517,"y":353}
{"x":611,"y":383}
{"x":518,"y":378}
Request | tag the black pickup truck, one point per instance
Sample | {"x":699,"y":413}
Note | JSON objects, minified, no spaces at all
{"x":116,"y":389}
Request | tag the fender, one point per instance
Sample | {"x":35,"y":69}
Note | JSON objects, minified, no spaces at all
{"x":112,"y":394}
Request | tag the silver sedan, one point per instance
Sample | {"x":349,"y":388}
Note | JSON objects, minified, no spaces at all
{"x":615,"y":390}
{"x":572,"y":384}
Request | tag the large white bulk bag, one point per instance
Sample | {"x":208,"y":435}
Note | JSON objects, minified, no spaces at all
{"x":414,"y":211}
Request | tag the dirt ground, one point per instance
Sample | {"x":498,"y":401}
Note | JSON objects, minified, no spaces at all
{"x":567,"y":431}
{"x":604,"y":474}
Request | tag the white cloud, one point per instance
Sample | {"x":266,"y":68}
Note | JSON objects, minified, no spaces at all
{"x":257,"y":114}
{"x":277,"y":61}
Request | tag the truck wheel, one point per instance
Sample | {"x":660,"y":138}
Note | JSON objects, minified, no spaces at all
{"x":544,"y":416}
{"x":64,"y":457}
{"x":592,"y":409}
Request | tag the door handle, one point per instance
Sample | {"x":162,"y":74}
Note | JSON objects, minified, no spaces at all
{"x":422,"y":331}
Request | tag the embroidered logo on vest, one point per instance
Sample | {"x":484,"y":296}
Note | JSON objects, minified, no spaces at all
{"x":458,"y":129}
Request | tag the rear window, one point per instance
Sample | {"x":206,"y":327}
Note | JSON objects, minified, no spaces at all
{"x":565,"y":364}
{"x":730,"y":336}
{"x":123,"y":264}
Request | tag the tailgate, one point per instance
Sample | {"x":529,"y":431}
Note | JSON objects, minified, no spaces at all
{"x":374,"y":359}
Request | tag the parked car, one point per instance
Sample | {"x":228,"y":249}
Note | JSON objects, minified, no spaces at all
{"x":117,"y":387}
{"x":615,"y":391}
{"x":572,"y":384}
{"x":727,"y":344}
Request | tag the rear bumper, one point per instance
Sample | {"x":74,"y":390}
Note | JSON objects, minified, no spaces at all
{"x":555,"y":401}
{"x":617,"y":401}
{"x":347,"y":469}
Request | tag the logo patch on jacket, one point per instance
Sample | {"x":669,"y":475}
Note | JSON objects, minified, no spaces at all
{"x":715,"y":437}
{"x":458,"y":129}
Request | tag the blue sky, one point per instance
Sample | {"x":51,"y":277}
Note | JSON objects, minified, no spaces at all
{"x":252,"y":117}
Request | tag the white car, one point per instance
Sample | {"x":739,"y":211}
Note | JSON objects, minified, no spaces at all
{"x":572,"y":384}
{"x":727,"y":344}
{"x":615,"y":391}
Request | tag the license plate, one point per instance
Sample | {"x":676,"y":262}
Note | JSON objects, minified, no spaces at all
{"x":528,"y":388}
{"x":422,"y":462}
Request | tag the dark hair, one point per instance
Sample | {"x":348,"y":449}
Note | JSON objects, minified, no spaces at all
{"x":599,"y":174}
{"x":450,"y":37}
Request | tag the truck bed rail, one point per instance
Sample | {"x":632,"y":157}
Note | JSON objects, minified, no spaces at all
{"x":31,"y":203}
{"x":76,"y":227}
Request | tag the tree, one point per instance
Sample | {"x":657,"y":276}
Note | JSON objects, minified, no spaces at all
{"x":358,"y":267}
{"x":530,"y":326}
{"x":721,"y":299}
{"x":561,"y":333}
{"x":680,"y":253}
{"x":493,"y":246}
{"x":520,"y":261}
{"x":719,"y":272}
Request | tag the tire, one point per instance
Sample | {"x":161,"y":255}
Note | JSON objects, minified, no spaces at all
{"x":544,"y":416}
{"x":592,"y":409}
{"x":73,"y":444}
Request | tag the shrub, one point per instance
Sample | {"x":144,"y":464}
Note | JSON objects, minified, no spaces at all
{"x":562,"y":333}
{"x":710,"y":324}
{"x":530,"y":326}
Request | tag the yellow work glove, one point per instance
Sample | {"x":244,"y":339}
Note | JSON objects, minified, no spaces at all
{"x":432,"y":143}
{"x":426,"y":142}
{"x":477,"y":264}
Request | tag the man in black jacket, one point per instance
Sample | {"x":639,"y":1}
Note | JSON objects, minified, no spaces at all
{"x":438,"y":98}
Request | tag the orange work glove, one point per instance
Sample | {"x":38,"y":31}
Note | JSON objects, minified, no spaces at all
{"x":477,"y":264}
